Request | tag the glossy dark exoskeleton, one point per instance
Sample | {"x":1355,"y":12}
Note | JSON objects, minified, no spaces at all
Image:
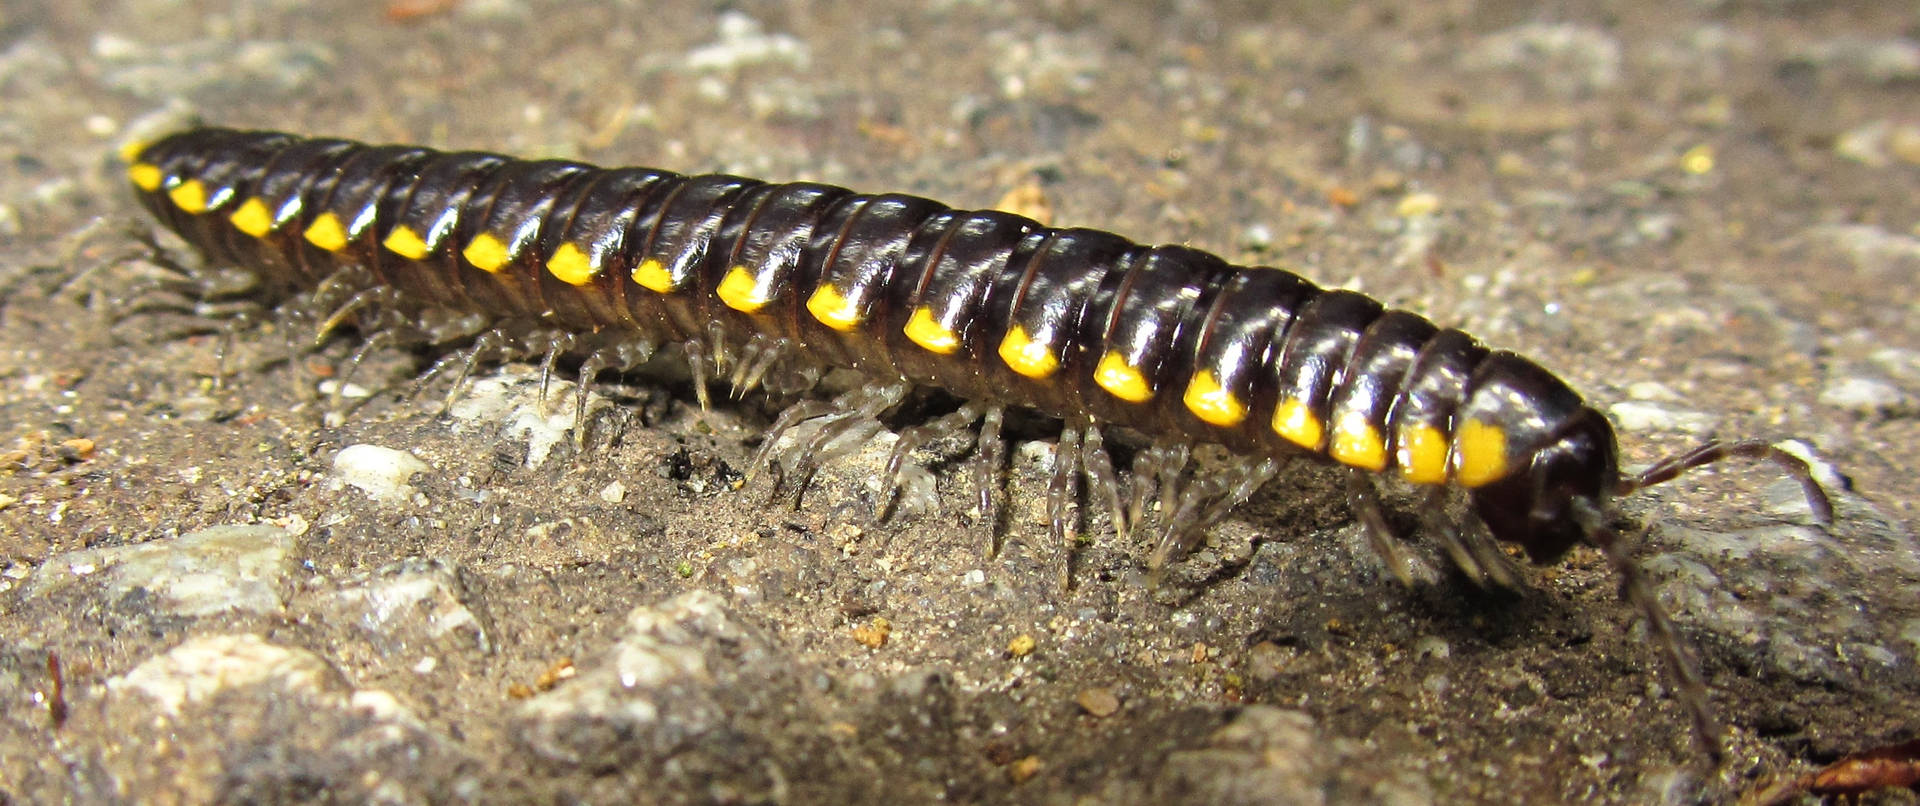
{"x":1083,"y":325}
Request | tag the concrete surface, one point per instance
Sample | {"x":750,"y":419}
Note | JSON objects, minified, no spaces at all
{"x":1704,"y":215}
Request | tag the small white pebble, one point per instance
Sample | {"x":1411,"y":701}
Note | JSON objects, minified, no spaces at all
{"x":1862,"y":394}
{"x":349,"y":391}
{"x":382,"y":473}
{"x":614,"y":493}
{"x":1638,"y":416}
{"x":1652,"y":390}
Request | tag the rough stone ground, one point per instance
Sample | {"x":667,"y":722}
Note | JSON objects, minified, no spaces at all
{"x":1702,"y":214}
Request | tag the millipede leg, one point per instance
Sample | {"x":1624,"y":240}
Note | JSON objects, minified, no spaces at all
{"x":229,"y":333}
{"x":1673,"y":467}
{"x":836,"y":417}
{"x":750,"y":354}
{"x":988,"y":453}
{"x":697,"y":364}
{"x":624,"y":356}
{"x":73,"y":251}
{"x":589,"y":368}
{"x":1452,"y":541}
{"x":1373,"y":520}
{"x":756,"y":359}
{"x":789,"y":417}
{"x":1247,"y":479}
{"x":148,"y":298}
{"x":1172,"y":474}
{"x":292,"y":344}
{"x":489,"y":343}
{"x":467,"y":359}
{"x":808,"y":458}
{"x":718,"y":346}
{"x":1146,"y":472}
{"x":557,"y":342}
{"x":184,"y":289}
{"x":1679,"y":658}
{"x":1156,"y":473}
{"x":910,"y":440}
{"x":1060,"y":490}
{"x":373,"y":341}
{"x":324,"y":292}
{"x":364,"y":300}
{"x":1101,"y":478}
{"x":224,"y":310}
{"x":1481,"y":544}
{"x":1181,"y":528}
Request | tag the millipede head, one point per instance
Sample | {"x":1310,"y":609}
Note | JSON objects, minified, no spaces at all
{"x":1534,"y":508}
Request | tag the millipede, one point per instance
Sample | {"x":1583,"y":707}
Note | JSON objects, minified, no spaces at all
{"x":770,"y":285}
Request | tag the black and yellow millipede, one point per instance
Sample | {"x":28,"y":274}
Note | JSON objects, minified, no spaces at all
{"x":774,"y":282}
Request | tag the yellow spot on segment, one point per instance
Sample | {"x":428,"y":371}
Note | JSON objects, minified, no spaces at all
{"x":132,"y":149}
{"x":571,"y":265}
{"x":924,"y":331}
{"x":1421,"y":453}
{"x":1356,"y":443}
{"x":190,"y":196}
{"x":326,"y":233}
{"x":652,"y":275}
{"x":1034,"y":359}
{"x":1121,"y":379}
{"x":1211,"y":402}
{"x":487,"y":253}
{"x":403,"y":241}
{"x":146,"y":176}
{"x":1295,"y":421}
{"x":741,"y":291}
{"x":253,"y":218}
{"x":833,"y":310}
{"x":1482,"y":452}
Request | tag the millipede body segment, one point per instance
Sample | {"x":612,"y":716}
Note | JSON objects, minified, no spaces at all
{"x":1170,"y":342}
